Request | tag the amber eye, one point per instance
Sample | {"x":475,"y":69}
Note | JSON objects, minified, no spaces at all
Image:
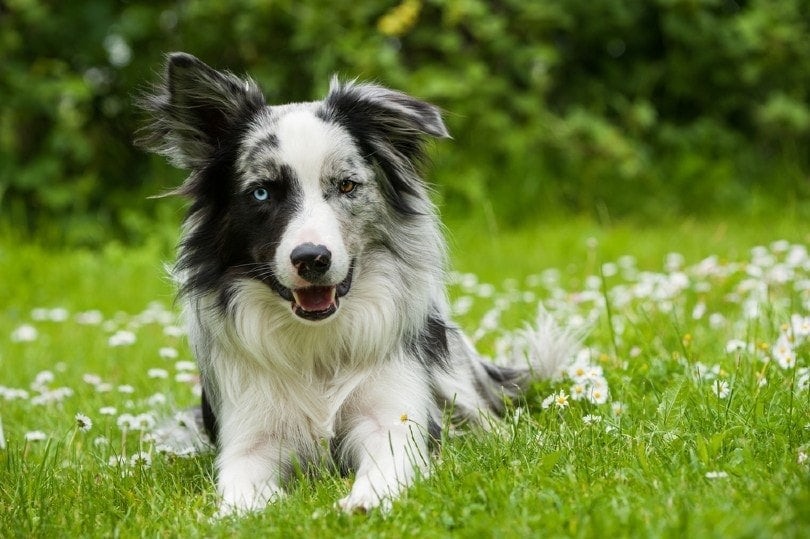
{"x":346,"y":186}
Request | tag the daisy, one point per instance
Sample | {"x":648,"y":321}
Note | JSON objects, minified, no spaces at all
{"x":116,"y":461}
{"x":144,"y":422}
{"x":560,"y":400}
{"x":184,"y":377}
{"x":591,"y":419}
{"x":92,"y":379}
{"x":126,"y":422}
{"x":736,"y":345}
{"x":122,"y":338}
{"x":58,"y":314}
{"x":783,"y":352}
{"x":185,"y":366}
{"x":720,"y":388}
{"x":800,"y":326}
{"x":100,"y":441}
{"x":173,"y":331}
{"x":167,"y":352}
{"x":42,"y":380}
{"x":83,"y":423}
{"x":24,"y":333}
{"x":141,"y":459}
{"x":803,"y":379}
{"x":578,"y":391}
{"x":157,"y":373}
{"x":578,"y":370}
{"x":598,"y":394}
{"x":35,"y":436}
{"x":594,"y":373}
{"x":12,"y":393}
{"x":104,"y":387}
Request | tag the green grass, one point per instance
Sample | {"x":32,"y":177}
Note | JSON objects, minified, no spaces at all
{"x":677,"y":461}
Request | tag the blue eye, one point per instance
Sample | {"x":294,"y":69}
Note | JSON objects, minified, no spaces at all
{"x":261,"y":194}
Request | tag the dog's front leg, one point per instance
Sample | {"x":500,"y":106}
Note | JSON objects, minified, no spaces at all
{"x":387,"y":438}
{"x":248,"y":481}
{"x":250,"y":466}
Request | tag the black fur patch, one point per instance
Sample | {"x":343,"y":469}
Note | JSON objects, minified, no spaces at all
{"x":430,"y":345}
{"x":235,"y":236}
{"x":209,"y":419}
{"x":389,"y":129}
{"x":507,"y":377}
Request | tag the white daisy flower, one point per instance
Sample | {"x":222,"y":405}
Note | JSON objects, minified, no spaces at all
{"x":126,"y":422}
{"x":185,"y":366}
{"x":157,"y":373}
{"x":141,"y":459}
{"x":122,"y":338}
{"x":592,"y":419}
{"x":783,"y":352}
{"x":720,"y":388}
{"x":83,"y":423}
{"x":167,"y":352}
{"x":560,"y":400}
{"x":598,"y":394}
{"x":35,"y":436}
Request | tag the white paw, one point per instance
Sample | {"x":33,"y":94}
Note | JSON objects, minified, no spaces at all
{"x":240,"y":501}
{"x":363,"y":498}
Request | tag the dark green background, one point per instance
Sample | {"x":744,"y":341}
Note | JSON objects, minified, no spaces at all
{"x":614,"y":108}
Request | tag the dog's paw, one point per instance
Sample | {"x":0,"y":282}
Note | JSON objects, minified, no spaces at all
{"x":234,"y":503}
{"x":363,"y":498}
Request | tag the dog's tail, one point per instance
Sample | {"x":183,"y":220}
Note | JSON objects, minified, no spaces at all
{"x":475,"y":387}
{"x":184,"y":434}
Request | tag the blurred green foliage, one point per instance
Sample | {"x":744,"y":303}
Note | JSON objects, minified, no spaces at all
{"x":609,"y":107}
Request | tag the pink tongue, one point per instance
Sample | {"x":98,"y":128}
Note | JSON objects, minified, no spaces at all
{"x":315,"y":298}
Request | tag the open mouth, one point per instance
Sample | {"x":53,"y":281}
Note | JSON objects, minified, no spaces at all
{"x":315,"y":303}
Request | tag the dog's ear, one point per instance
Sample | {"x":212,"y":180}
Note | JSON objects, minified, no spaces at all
{"x":390,"y":128}
{"x":194,"y":111}
{"x":374,"y":110}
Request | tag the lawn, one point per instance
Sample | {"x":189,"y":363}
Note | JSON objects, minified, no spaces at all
{"x":697,"y":337}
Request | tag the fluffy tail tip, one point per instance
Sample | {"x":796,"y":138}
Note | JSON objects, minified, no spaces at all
{"x":183,"y":434}
{"x":546,"y":347}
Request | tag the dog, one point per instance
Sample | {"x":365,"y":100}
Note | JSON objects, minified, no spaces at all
{"x":311,"y":271}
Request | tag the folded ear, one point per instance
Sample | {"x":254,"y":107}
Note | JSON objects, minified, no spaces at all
{"x":375,"y":110}
{"x":195,"y":111}
{"x":391,"y":127}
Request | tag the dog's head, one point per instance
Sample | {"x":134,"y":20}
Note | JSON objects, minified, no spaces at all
{"x":289,"y":195}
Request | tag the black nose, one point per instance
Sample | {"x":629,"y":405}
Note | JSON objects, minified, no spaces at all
{"x":311,"y":261}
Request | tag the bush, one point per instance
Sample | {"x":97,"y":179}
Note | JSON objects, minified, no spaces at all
{"x":610,"y":106}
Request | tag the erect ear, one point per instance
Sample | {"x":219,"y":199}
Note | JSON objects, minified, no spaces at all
{"x":195,"y":111}
{"x":390,"y":127}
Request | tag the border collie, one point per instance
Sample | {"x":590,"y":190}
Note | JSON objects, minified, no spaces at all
{"x":311,"y":272}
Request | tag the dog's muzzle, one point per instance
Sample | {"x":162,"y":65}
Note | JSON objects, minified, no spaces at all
{"x":317,"y":301}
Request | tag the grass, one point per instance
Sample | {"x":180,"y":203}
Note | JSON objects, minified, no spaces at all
{"x":665,"y":456}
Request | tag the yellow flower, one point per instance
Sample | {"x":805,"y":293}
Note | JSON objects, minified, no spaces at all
{"x":400,"y":19}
